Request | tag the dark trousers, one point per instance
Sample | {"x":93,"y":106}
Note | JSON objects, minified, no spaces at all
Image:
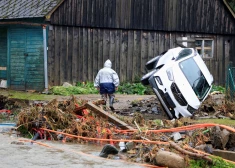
{"x":107,"y":92}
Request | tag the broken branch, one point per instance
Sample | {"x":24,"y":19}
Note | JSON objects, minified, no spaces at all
{"x":195,"y":155}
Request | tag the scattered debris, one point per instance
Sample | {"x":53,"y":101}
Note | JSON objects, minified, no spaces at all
{"x":17,"y":143}
{"x":220,"y":138}
{"x":170,"y":159}
{"x":216,"y":106}
{"x":149,"y":108}
{"x":110,"y":118}
{"x":107,"y":150}
{"x":176,"y":136}
{"x":140,"y":139}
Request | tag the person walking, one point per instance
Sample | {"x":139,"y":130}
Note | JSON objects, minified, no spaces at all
{"x":107,"y":82}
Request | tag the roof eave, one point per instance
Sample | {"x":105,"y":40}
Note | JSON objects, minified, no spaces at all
{"x":48,"y":16}
{"x":230,"y":9}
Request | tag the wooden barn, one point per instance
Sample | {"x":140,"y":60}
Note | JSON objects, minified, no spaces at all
{"x":82,"y":34}
{"x":23,"y":44}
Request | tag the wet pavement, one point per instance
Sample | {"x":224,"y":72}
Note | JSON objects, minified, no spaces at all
{"x":14,"y":153}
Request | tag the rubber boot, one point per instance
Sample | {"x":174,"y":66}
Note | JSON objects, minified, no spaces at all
{"x":111,"y":101}
{"x":104,"y":97}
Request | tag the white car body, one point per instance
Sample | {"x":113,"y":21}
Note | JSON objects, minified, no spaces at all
{"x":180,"y":82}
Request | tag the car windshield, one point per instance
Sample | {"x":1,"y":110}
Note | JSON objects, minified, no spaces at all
{"x":195,"y":77}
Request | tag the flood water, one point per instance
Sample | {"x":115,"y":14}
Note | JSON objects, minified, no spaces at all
{"x":17,"y":154}
{"x":60,"y":155}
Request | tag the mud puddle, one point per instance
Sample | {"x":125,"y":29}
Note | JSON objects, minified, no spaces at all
{"x":58,"y":155}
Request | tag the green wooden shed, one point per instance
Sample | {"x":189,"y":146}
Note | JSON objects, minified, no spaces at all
{"x":23,"y":43}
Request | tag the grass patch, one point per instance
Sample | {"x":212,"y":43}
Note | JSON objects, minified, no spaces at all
{"x":218,"y":162}
{"x":228,"y":122}
{"x":24,"y":95}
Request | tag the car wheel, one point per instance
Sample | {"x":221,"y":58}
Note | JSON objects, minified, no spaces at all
{"x":152,"y":63}
{"x":145,"y":78}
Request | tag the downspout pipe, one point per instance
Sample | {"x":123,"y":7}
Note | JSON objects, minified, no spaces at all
{"x":45,"y":58}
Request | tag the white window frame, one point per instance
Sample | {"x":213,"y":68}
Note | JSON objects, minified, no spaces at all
{"x":203,"y":48}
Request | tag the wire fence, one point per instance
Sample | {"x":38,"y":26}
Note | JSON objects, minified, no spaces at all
{"x":230,"y":84}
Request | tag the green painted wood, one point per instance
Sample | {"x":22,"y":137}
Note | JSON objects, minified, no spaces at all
{"x":34,"y":65}
{"x":17,"y":43}
{"x":3,"y":54}
{"x":26,"y":59}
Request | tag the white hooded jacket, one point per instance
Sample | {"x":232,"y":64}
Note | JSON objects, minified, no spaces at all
{"x":106,"y":75}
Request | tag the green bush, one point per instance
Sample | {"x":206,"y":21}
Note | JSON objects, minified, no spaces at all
{"x":131,"y":88}
{"x":218,"y":162}
{"x":123,"y":88}
{"x":218,"y":88}
{"x":80,"y":88}
{"x":88,"y":88}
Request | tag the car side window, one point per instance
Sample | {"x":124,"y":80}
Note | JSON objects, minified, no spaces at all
{"x":195,"y":77}
{"x":184,"y":53}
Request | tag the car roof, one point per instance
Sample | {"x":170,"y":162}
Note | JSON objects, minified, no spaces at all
{"x":174,"y":51}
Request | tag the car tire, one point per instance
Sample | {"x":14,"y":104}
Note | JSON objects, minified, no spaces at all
{"x":152,"y":63}
{"x":145,"y":78}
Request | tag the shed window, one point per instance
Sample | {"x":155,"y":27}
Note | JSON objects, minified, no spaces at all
{"x":205,"y":47}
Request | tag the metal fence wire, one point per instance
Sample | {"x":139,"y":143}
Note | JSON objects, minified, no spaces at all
{"x":230,"y":84}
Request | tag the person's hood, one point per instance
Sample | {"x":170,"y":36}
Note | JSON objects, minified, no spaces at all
{"x":108,"y":64}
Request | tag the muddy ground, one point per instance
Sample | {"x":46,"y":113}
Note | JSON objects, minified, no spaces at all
{"x":14,"y":153}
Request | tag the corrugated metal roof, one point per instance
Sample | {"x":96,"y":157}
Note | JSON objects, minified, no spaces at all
{"x":14,"y":9}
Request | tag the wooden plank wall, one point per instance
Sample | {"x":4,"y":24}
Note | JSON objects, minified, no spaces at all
{"x":204,"y":16}
{"x":26,"y":71}
{"x":17,"y":59}
{"x":34,"y":62}
{"x":3,"y":54}
{"x":232,"y":50}
{"x":76,"y":54}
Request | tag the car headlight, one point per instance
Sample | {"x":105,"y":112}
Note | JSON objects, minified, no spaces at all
{"x":170,"y":74}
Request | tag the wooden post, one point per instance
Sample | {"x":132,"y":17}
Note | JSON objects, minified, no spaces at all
{"x":110,"y":117}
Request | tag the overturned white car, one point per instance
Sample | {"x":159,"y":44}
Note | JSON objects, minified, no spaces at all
{"x":180,"y":80}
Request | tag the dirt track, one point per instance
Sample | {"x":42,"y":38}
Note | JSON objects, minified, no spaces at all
{"x":122,"y":101}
